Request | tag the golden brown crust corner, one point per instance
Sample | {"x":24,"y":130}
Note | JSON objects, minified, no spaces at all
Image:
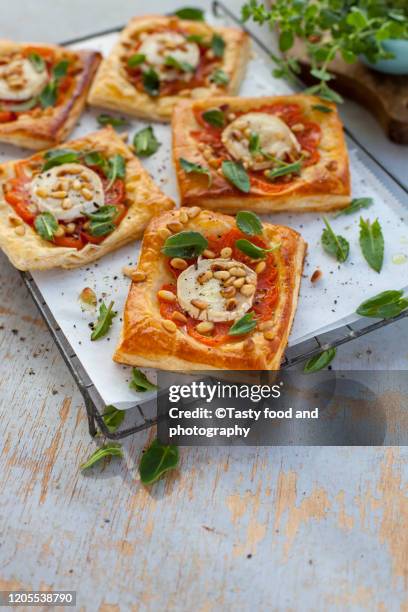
{"x":30,"y":252}
{"x":112,"y":90}
{"x":320,"y":187}
{"x":145,"y":342}
{"x":54,"y":124}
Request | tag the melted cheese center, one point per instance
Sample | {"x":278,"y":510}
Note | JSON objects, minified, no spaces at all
{"x":276,"y":139}
{"x":67,"y":191}
{"x":157,"y":47}
{"x":191,"y":291}
{"x":19,"y":80}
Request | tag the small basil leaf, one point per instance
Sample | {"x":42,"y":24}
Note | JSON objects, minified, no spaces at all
{"x":254,"y":144}
{"x":140,"y":382}
{"x":214,"y":117}
{"x":191,"y":13}
{"x":136,"y":60}
{"x":101,"y":228}
{"x":117,"y":169}
{"x":46,"y":225}
{"x":372,"y":243}
{"x":286,"y":40}
{"x":104,"y":213}
{"x":37,"y":61}
{"x":218,"y":45}
{"x":151,"y":82}
{"x":236,"y":174}
{"x":243,"y":326}
{"x":57,"y":157}
{"x":322,"y":108}
{"x":60,"y":69}
{"x":48,"y":96}
{"x":355,"y":205}
{"x":157,"y":460}
{"x":384,"y":305}
{"x":113,"y":449}
{"x":104,"y":119}
{"x":219,"y":77}
{"x":94,"y":158}
{"x":249,"y":223}
{"x":334,"y":244}
{"x":189,"y":167}
{"x":113,"y":418}
{"x":197,"y":38}
{"x":252,"y":250}
{"x":185,"y":244}
{"x":320,"y":361}
{"x":104,"y":322}
{"x":283,"y":170}
{"x":145,"y":142}
{"x":175,"y":63}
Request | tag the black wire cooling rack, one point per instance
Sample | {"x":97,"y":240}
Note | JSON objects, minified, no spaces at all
{"x":144,"y":416}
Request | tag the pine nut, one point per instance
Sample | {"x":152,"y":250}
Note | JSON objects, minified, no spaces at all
{"x":260,"y":267}
{"x":138,"y":276}
{"x":230,"y":281}
{"x":222,"y":274}
{"x":208,"y":254}
{"x":193,"y":211}
{"x":15,"y":220}
{"x":66,"y":204}
{"x":169,"y":326}
{"x":60,"y":231}
{"x":205,"y":327}
{"x":167,"y":296}
{"x":204,"y":277}
{"x":317,"y":274}
{"x":298,"y":127}
{"x":226,"y":253}
{"x":231,"y":305}
{"x":200,"y":304}
{"x":183,"y":216}
{"x":70,"y":228}
{"x":60,"y":195}
{"x":19,"y":230}
{"x":32,"y":208}
{"x":239,"y":282}
{"x":77,"y":185}
{"x":228,"y":292}
{"x":175,"y":226}
{"x":164,"y":233}
{"x":250,"y":280}
{"x":87,"y":194}
{"x":269,"y":335}
{"x":178,"y":263}
{"x":247,"y":290}
{"x":41,"y":193}
{"x":178,"y":316}
{"x":237,"y":272}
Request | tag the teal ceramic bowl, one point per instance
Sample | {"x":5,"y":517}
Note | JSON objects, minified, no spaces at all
{"x":397,"y":65}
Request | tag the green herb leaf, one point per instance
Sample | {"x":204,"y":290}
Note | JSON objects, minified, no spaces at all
{"x":140,"y":382}
{"x":175,"y":63}
{"x":103,"y":213}
{"x":102,"y":220}
{"x":185,"y":244}
{"x":243,"y":326}
{"x":157,"y":460}
{"x":191,"y":13}
{"x":57,"y":157}
{"x":104,"y":119}
{"x":334,"y":244}
{"x":48,"y":96}
{"x":252,"y":250}
{"x":236,"y":174}
{"x":283,"y":170}
{"x":104,"y":322}
{"x":46,"y":225}
{"x":321,"y":108}
{"x":113,"y":449}
{"x":113,"y":418}
{"x":249,"y":223}
{"x":117,"y":169}
{"x":355,"y":205}
{"x":95,"y":158}
{"x":214,"y":117}
{"x":218,"y":45}
{"x":385,"y":305}
{"x":196,"y":38}
{"x":372,"y":243}
{"x":318,"y":362}
{"x":145,"y":142}
{"x":254,"y":146}
{"x":151,"y":82}
{"x":219,"y":77}
{"x":286,"y":40}
{"x":189,"y":167}
{"x":60,"y":69}
{"x":37,"y":62}
{"x":136,"y":59}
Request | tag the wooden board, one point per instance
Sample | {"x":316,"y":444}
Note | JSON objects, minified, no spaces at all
{"x":386,"y":96}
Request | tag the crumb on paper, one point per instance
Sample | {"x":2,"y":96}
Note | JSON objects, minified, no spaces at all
{"x":88,"y":299}
{"x":316,"y":276}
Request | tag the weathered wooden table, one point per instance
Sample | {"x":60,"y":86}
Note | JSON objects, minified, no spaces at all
{"x":269,"y":528}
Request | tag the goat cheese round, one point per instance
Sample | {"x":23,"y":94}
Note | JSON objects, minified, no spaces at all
{"x":157,"y":47}
{"x":19,"y":80}
{"x":275,"y":139}
{"x":192,"y":289}
{"x":67,"y":191}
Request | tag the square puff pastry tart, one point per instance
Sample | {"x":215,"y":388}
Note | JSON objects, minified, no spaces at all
{"x":183,"y":313}
{"x":263,"y":154}
{"x":43,"y":91}
{"x":160,"y":60}
{"x":68,"y":206}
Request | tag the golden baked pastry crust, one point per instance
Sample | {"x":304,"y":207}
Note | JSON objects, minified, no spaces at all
{"x":145,"y":342}
{"x":322,"y":186}
{"x":112,"y":89}
{"x":43,"y":128}
{"x":144,"y":198}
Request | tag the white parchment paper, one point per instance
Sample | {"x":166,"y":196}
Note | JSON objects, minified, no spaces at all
{"x":321,"y":306}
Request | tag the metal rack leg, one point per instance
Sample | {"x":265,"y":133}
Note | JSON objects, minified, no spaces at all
{"x":91,"y":419}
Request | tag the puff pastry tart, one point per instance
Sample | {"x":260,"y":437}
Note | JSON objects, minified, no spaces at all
{"x":160,"y":60}
{"x":207,"y":295}
{"x":69,"y":206}
{"x":264,"y":154}
{"x":43,"y":90}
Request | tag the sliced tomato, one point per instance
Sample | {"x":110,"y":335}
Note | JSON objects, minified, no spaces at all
{"x":219,"y":334}
{"x":70,"y":242}
{"x":116,"y":193}
{"x":6,"y":116}
{"x":16,"y":195}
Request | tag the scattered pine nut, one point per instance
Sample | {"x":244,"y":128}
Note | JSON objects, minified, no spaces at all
{"x":169,"y":326}
{"x":167,"y":296}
